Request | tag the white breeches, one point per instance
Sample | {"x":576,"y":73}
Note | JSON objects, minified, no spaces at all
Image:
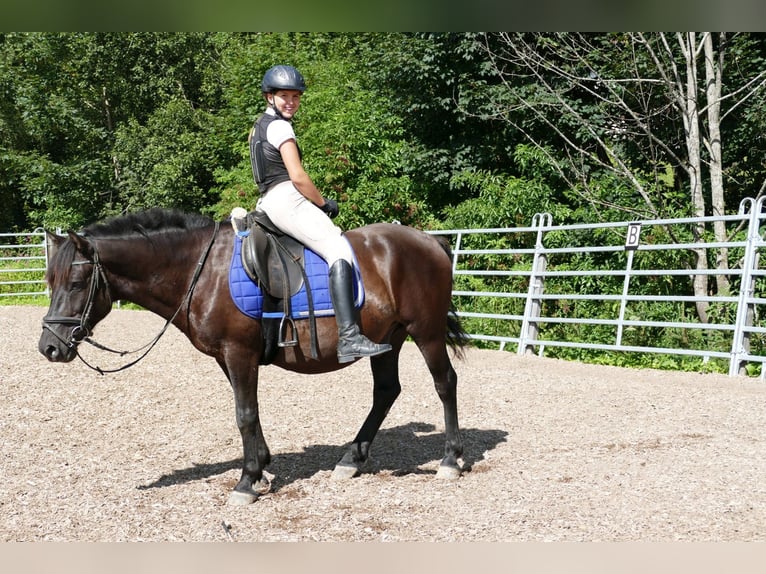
{"x":297,"y":216}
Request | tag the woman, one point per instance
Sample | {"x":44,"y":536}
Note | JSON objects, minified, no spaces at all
{"x":295,"y":205}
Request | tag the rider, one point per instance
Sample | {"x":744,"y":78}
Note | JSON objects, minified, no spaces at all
{"x":296,"y":207}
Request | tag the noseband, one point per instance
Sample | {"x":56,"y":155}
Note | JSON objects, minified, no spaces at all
{"x":82,"y":327}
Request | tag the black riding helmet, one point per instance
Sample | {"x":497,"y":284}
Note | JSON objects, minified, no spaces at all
{"x":282,"y":78}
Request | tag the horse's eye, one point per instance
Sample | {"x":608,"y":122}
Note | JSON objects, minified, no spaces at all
{"x":77,"y":285}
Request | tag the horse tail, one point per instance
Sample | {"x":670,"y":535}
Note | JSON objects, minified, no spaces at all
{"x":457,"y":338}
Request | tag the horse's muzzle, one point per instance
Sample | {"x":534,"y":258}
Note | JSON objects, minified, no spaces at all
{"x":54,"y":349}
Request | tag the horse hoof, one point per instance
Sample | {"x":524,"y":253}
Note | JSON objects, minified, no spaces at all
{"x":263,"y":486}
{"x":448,"y":472}
{"x":344,"y":472}
{"x":237,"y":498}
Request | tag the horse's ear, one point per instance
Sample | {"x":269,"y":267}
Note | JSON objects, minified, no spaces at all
{"x":53,"y":242}
{"x":81,"y":244}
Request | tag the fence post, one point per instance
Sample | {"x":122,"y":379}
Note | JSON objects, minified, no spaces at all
{"x":456,"y":251}
{"x":632,"y":239}
{"x":740,"y":343}
{"x":44,"y":245}
{"x":529,"y":328}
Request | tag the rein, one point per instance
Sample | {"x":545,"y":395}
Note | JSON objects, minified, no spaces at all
{"x":82,"y":330}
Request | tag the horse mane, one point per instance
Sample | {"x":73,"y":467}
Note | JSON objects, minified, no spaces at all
{"x":152,"y":221}
{"x":146,"y":222}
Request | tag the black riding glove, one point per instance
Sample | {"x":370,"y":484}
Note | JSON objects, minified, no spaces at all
{"x":330,"y":207}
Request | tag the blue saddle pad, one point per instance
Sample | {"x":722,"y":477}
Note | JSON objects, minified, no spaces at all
{"x":248,"y":296}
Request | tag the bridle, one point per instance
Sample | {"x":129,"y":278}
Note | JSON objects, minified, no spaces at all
{"x":81,"y":327}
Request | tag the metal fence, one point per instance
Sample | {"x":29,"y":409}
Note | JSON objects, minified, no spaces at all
{"x":23,"y":260}
{"x":610,"y":287}
{"x":598,"y":288}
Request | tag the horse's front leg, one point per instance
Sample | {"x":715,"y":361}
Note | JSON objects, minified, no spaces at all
{"x":256,"y":453}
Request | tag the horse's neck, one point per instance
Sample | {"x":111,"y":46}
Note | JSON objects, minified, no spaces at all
{"x":154,"y":275}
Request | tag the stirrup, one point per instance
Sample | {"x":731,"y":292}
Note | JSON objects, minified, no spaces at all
{"x":283,"y":324}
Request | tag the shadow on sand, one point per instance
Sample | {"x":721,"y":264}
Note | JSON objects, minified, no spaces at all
{"x":401,"y":450}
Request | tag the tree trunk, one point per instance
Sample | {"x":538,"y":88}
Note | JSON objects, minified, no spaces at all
{"x":117,"y":169}
{"x":690,"y":112}
{"x":713,"y":81}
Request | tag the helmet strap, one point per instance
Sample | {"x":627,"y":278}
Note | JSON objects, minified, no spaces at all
{"x":273,"y":106}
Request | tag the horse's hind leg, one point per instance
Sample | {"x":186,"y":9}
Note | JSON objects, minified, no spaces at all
{"x":445,"y":381}
{"x":386,"y":387}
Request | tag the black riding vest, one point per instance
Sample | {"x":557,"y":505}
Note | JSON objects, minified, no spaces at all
{"x":268,"y":167}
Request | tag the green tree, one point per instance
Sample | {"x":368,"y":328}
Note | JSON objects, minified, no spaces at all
{"x":52,"y":137}
{"x":429,"y":81}
{"x":77,"y":107}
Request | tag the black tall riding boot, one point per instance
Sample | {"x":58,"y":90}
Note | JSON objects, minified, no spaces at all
{"x":351,"y":343}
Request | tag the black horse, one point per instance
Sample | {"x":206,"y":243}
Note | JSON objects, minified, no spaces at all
{"x":176,"y":265}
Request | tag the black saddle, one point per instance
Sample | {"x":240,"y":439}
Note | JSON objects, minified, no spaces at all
{"x":275,"y":261}
{"x":272,"y":258}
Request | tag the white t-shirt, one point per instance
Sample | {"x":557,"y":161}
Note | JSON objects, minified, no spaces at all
{"x":279,"y":131}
